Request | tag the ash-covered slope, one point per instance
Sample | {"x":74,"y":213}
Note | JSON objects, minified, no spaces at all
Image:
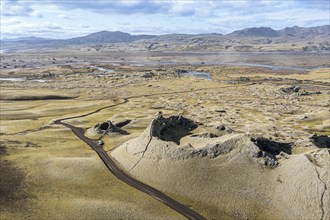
{"x":231,"y":176}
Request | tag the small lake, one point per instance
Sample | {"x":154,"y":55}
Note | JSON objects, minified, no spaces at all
{"x":269,"y":66}
{"x":203,"y":75}
{"x":23,"y":79}
{"x":102,"y":69}
{"x":12,"y":79}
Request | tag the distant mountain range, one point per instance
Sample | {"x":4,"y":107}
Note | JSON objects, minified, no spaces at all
{"x":295,"y":31}
{"x":98,"y":37}
{"x":256,"y":32}
{"x":104,"y":37}
{"x":26,"y":39}
{"x":108,"y":37}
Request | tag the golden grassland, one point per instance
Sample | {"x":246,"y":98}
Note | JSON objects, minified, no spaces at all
{"x":63,"y":177}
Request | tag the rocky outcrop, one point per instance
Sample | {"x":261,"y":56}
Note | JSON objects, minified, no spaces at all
{"x":321,"y":141}
{"x":172,"y":128}
{"x":272,"y":147}
{"x":290,"y":89}
{"x":109,"y":128}
{"x":163,"y":139}
{"x":297,"y":91}
{"x":223,"y":128}
{"x":285,"y":181}
{"x":148,"y":75}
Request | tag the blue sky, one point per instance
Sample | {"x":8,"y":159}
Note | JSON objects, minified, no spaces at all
{"x":71,"y":18}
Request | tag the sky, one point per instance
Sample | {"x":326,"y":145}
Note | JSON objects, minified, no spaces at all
{"x":73,"y":18}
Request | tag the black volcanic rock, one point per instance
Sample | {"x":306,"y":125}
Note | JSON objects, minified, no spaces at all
{"x":321,"y":141}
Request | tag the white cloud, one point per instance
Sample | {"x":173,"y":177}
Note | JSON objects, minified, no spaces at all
{"x":60,"y":18}
{"x":129,"y":2}
{"x":184,"y":8}
{"x":18,"y":8}
{"x":10,"y":21}
{"x":83,"y":26}
{"x":64,"y":16}
{"x":36,"y":13}
{"x":123,"y":23}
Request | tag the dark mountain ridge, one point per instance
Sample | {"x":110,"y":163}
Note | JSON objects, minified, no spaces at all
{"x":108,"y":37}
{"x":295,"y":31}
{"x":255,"y":32}
{"x":31,"y":38}
{"x":105,"y":37}
{"x":93,"y":38}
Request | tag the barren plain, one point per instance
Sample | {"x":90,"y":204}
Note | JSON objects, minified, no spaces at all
{"x":240,"y":135}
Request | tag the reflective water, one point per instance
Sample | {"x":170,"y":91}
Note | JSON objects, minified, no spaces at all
{"x":102,"y":69}
{"x":23,"y":79}
{"x":203,"y":75}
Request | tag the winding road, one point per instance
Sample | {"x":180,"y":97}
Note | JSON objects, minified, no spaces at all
{"x":120,"y":174}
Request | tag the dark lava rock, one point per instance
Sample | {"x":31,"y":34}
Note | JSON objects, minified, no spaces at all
{"x":321,"y":141}
{"x":221,"y":111}
{"x":221,"y":128}
{"x":298,"y":91}
{"x":123,"y":123}
{"x":181,"y":71}
{"x":172,"y":128}
{"x":291,"y":89}
{"x":205,"y":135}
{"x":224,"y":128}
{"x":108,"y":127}
{"x":148,"y":75}
{"x":243,"y":79}
{"x":272,"y":147}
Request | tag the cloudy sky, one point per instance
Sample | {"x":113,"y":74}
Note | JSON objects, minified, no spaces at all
{"x":70,"y":18}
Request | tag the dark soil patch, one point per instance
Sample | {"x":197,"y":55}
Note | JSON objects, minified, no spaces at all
{"x":11,"y":179}
{"x":35,"y":98}
{"x":3,"y":149}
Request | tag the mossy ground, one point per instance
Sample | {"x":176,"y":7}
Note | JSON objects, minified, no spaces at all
{"x":64,"y":178}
